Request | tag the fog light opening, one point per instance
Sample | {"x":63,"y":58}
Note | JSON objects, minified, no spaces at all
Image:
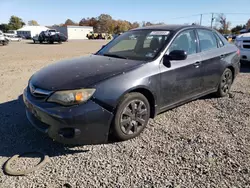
{"x":68,"y":132}
{"x":244,"y":57}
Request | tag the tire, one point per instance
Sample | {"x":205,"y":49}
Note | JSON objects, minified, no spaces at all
{"x":225,"y":83}
{"x":129,"y":122}
{"x":5,"y":43}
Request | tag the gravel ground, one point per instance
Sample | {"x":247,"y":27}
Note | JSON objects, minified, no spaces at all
{"x":205,"y":143}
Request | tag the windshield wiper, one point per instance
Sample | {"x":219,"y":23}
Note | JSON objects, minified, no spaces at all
{"x":115,"y":55}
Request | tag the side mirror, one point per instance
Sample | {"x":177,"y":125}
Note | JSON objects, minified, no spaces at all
{"x":178,"y":55}
{"x":174,"y":55}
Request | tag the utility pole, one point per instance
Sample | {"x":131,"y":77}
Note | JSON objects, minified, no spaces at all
{"x":212,"y":20}
{"x":201,"y":20}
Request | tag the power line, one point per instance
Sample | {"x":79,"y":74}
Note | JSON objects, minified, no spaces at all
{"x":190,"y":16}
{"x":235,"y":13}
{"x":209,"y":14}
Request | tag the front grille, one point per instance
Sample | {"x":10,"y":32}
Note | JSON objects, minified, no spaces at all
{"x":246,"y":46}
{"x":38,"y":93}
{"x":246,"y":41}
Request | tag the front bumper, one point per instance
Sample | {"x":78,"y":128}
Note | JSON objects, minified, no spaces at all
{"x":87,"y":123}
{"x":245,"y":55}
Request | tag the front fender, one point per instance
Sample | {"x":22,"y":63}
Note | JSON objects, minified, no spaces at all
{"x":109,"y":92}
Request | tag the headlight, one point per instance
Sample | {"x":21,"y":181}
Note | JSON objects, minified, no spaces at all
{"x":71,"y":97}
{"x":238,"y":43}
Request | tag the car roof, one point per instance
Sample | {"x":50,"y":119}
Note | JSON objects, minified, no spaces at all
{"x":170,"y":27}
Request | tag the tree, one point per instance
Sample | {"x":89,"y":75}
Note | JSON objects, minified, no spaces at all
{"x":32,"y":22}
{"x":15,"y":23}
{"x":4,"y":28}
{"x":248,"y":24}
{"x":135,"y":25}
{"x":104,"y":23}
{"x":121,"y":26}
{"x":223,"y":24}
{"x":89,"y":22}
{"x":69,"y":22}
{"x":237,"y":28}
{"x":144,"y":24}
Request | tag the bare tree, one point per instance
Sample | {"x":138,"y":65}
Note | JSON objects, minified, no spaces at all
{"x":223,"y":24}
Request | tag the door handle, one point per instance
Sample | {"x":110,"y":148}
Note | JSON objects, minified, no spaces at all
{"x":197,"y":64}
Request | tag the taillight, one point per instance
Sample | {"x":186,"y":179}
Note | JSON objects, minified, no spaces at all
{"x":238,"y":52}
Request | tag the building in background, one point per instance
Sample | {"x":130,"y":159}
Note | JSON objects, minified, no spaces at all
{"x":31,"y":31}
{"x":74,"y":32}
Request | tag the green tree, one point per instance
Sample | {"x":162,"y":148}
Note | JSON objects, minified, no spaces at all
{"x":104,"y":23}
{"x":237,"y":28}
{"x":32,"y":22}
{"x":15,"y":23}
{"x":4,"y":28}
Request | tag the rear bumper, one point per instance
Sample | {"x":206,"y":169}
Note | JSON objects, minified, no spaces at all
{"x":88,"y":123}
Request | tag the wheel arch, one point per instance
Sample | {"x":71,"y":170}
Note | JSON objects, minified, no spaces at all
{"x":151,"y":97}
{"x":233,"y":70}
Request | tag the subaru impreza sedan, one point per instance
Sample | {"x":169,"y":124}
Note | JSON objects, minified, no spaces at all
{"x":139,"y":74}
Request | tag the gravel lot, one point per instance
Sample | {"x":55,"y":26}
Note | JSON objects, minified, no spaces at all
{"x":205,"y":143}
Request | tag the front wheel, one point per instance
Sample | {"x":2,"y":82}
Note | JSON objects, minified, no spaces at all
{"x":5,"y":43}
{"x":131,"y":116}
{"x":225,"y":83}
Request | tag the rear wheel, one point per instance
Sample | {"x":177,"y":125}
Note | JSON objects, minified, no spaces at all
{"x":225,"y":83}
{"x":131,"y":117}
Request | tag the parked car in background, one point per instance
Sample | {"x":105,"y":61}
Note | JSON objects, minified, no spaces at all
{"x":42,"y":37}
{"x":21,"y":36}
{"x":228,"y":37}
{"x":3,"y":40}
{"x":14,"y":38}
{"x":136,"y":76}
{"x":243,"y":43}
{"x":50,"y":32}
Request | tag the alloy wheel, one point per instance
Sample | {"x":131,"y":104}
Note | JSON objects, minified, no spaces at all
{"x":226,"y":81}
{"x":133,"y":117}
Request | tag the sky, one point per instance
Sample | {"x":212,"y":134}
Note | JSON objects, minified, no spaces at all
{"x":49,"y":12}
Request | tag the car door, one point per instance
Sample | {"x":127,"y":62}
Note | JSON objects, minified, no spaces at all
{"x":211,"y":56}
{"x":183,"y":79}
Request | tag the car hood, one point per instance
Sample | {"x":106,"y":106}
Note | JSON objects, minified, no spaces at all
{"x":243,"y":36}
{"x":80,"y":72}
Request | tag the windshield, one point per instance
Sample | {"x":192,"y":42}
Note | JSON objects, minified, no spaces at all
{"x":141,"y":45}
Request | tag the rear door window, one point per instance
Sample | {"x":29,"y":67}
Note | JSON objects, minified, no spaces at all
{"x":207,"y":39}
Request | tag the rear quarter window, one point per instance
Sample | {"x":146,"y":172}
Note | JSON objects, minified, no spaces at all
{"x":220,"y":42}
